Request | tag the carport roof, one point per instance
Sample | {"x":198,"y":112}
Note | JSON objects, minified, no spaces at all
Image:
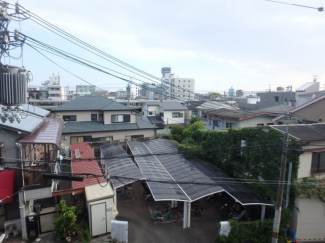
{"x":119,"y":165}
{"x":159,"y":160}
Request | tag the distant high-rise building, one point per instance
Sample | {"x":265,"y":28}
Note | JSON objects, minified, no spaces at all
{"x":231,"y":92}
{"x":55,"y":90}
{"x":239,"y":93}
{"x":176,"y":88}
{"x":85,"y":90}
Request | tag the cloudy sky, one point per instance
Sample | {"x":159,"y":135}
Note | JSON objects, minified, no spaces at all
{"x":247,"y":44}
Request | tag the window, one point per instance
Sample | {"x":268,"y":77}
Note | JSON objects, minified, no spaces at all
{"x":177,"y":114}
{"x":195,"y":113}
{"x":161,"y":114}
{"x":120,"y":118}
{"x":150,"y":113}
{"x":137,"y":136}
{"x":70,"y":118}
{"x":103,"y":139}
{"x":100,"y":117}
{"x":216,"y":123}
{"x":80,"y":139}
{"x":266,"y":100}
{"x":318,"y":162}
{"x":276,"y":98}
{"x":269,"y":124}
{"x":93,"y":117}
{"x":260,"y":125}
{"x":229,"y":125}
{"x":280,"y":123}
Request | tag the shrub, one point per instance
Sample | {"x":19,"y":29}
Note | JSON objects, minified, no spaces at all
{"x":177,"y":133}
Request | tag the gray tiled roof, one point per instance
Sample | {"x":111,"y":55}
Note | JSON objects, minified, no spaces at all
{"x":88,"y":103}
{"x":304,"y":132}
{"x":168,"y":105}
{"x":97,"y":126}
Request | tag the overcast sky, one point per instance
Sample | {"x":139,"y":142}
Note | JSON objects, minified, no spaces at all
{"x":247,"y":44}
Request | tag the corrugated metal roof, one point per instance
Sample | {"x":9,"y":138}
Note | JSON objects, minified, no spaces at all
{"x":98,"y":126}
{"x":29,"y":123}
{"x":91,"y":103}
{"x":86,"y":164}
{"x":35,"y":110}
{"x":238,"y":114}
{"x":213,"y":105}
{"x":49,"y":132}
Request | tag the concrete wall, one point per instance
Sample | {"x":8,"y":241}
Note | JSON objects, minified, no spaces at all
{"x":267,"y":99}
{"x":151,"y":108}
{"x":117,"y":135}
{"x":311,"y":218}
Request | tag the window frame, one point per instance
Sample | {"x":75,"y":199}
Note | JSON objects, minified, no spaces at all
{"x":126,"y":118}
{"x":93,"y":117}
{"x":64,"y":117}
{"x":181,"y":115}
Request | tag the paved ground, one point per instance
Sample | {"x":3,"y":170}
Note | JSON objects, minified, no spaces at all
{"x":143,"y":229}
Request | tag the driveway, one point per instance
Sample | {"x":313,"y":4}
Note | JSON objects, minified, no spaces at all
{"x":142,"y":229}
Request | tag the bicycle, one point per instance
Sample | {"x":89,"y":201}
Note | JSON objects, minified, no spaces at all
{"x":126,"y":191}
{"x":164,"y":215}
{"x":227,"y":210}
{"x":243,"y":215}
{"x":148,"y":200}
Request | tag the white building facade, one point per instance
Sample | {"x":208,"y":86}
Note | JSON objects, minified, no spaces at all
{"x":176,"y":88}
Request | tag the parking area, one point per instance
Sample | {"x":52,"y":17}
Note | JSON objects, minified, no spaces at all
{"x":142,"y":229}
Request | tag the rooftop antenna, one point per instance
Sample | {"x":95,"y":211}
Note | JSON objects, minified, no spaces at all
{"x":320,"y":9}
{"x":315,"y":78}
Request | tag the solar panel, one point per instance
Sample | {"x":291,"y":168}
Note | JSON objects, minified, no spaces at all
{"x":120,"y":165}
{"x":184,"y":173}
{"x":162,"y":186}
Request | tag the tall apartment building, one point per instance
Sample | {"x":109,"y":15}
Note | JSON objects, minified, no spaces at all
{"x":55,"y":90}
{"x":85,"y":90}
{"x":176,"y":88}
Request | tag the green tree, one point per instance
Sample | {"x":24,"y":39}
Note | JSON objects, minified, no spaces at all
{"x":65,"y":225}
{"x":215,"y":95}
{"x":194,"y":119}
{"x":189,"y":131}
{"x":177,"y":133}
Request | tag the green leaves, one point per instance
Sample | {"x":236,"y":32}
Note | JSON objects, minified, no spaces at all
{"x":65,"y":224}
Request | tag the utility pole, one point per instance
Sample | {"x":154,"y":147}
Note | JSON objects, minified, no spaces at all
{"x":278,"y":209}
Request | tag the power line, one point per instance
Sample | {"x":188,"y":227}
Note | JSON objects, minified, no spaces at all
{"x":320,"y":9}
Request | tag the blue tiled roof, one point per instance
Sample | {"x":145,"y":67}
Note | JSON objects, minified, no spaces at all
{"x":89,"y":103}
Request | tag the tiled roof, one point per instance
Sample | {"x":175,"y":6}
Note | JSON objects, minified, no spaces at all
{"x":88,"y":103}
{"x":192,"y":104}
{"x":168,"y":105}
{"x":277,"y":109}
{"x":213,"y":105}
{"x":237,"y":114}
{"x":97,"y":126}
{"x":304,"y":132}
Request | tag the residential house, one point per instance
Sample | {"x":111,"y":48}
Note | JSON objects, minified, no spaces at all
{"x":225,"y":118}
{"x":94,"y":119}
{"x":310,"y":112}
{"x":212,"y":106}
{"x":166,"y":113}
{"x":192,"y":109}
{"x":309,"y":220}
{"x":305,"y":97}
{"x":28,"y":149}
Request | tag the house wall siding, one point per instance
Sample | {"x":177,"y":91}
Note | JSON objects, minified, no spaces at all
{"x":315,"y":112}
{"x":311,"y":218}
{"x":168,"y":118}
{"x":254,"y":121}
{"x":117,"y":135}
{"x":108,"y":116}
{"x":304,"y":165}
